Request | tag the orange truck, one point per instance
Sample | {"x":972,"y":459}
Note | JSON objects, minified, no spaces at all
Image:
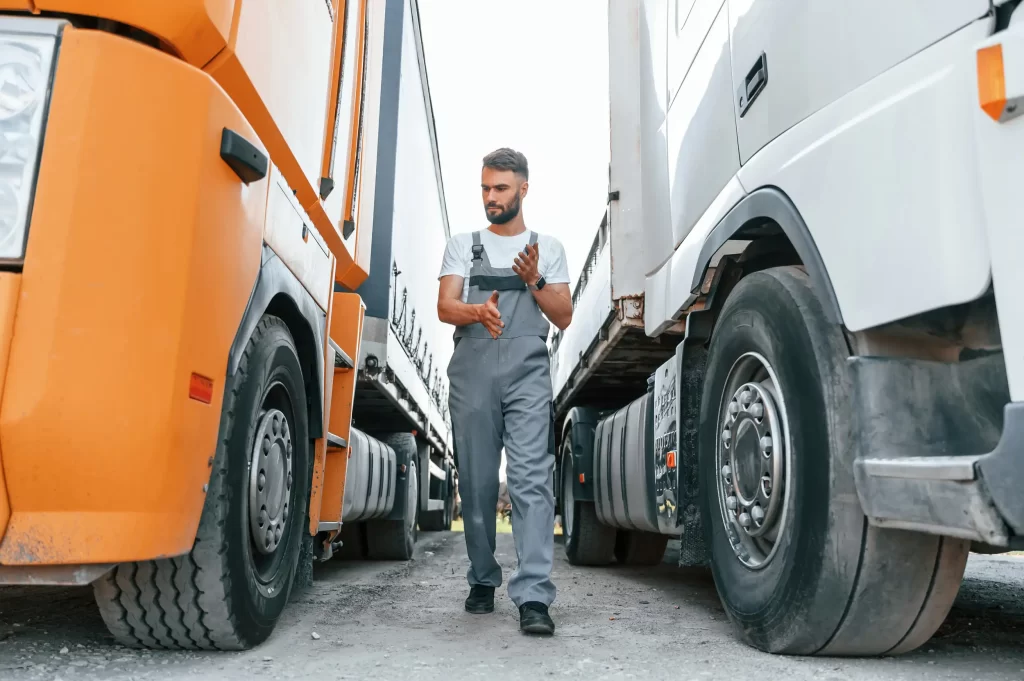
{"x":191,"y":197}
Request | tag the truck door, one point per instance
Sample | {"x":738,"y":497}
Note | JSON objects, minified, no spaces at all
{"x":790,"y":58}
{"x":702,"y":148}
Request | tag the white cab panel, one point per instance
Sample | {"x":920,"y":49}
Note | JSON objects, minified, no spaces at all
{"x":285,"y":72}
{"x":1001,"y":166}
{"x":650,"y":86}
{"x":702,"y":151}
{"x":886,"y":180}
{"x":819,"y":50}
{"x":689,"y":23}
{"x":668,"y":289}
{"x":624,"y":83}
{"x":367,"y":179}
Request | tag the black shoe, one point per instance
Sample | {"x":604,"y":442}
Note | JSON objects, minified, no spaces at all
{"x":481,"y":600}
{"x":534,"y":619}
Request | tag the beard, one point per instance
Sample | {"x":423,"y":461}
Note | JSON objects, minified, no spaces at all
{"x":510,"y":212}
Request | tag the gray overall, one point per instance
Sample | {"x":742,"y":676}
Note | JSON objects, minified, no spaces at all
{"x":500,"y":395}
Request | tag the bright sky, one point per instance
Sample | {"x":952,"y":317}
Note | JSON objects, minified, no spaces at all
{"x":531,"y":75}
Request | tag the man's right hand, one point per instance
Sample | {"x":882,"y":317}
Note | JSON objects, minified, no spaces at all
{"x":490,"y":317}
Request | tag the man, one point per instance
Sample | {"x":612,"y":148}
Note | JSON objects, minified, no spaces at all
{"x":497,"y":287}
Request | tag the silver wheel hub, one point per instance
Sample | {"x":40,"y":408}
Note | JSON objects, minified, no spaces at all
{"x":752,"y":466}
{"x":270,"y":481}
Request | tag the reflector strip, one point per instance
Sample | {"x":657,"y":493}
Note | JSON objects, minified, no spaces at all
{"x":200,"y":388}
{"x":992,"y":81}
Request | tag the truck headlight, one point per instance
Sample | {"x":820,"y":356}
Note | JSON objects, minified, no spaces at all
{"x":26,"y":67}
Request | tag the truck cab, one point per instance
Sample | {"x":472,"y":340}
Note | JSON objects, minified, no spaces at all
{"x":195,"y":194}
{"x":795,"y":346}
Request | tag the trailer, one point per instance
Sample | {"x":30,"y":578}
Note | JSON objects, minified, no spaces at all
{"x":401,"y":384}
{"x":795,"y":342}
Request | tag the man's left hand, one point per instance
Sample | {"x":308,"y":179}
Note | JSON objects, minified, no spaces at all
{"x":526,"y":265}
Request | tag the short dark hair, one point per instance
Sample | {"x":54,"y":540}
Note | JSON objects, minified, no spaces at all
{"x":508,"y":159}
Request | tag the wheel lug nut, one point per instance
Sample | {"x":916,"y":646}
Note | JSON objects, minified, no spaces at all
{"x":766,"y":444}
{"x":726,"y":436}
{"x":757,"y":513}
{"x":746,"y":397}
{"x":733,"y":408}
{"x":726,"y":473}
{"x":731,"y":503}
{"x":757,"y":410}
{"x":745,"y":519}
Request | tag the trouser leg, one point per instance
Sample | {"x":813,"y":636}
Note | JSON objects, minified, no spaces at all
{"x":530,"y":468}
{"x":475,"y":410}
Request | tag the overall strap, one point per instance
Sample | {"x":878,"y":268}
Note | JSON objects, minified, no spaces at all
{"x":478,"y":247}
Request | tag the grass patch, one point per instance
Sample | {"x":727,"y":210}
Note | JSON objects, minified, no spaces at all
{"x":502,"y":527}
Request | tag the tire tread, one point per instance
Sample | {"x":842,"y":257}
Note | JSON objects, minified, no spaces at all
{"x":185,"y":602}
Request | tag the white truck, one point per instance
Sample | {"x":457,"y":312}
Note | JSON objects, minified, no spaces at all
{"x":798,"y":341}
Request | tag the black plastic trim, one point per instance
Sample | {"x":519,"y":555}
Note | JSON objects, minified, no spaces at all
{"x":341,"y":358}
{"x":1002,"y":469}
{"x":276,"y":280}
{"x":487,"y":282}
{"x":248,"y":162}
{"x":326,"y":187}
{"x":336,"y":442}
{"x":750,"y":214}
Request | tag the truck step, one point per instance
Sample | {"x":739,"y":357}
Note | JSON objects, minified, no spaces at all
{"x":942,"y":495}
{"x":335,"y":442}
{"x":341,"y":358}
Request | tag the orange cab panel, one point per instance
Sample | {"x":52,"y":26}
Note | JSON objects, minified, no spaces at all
{"x":197,"y":29}
{"x":143,"y":250}
{"x":347,"y":331}
{"x":9,"y":284}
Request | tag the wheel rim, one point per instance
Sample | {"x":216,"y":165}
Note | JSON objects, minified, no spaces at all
{"x":568,"y":500}
{"x":270,"y":481}
{"x":753,"y":460}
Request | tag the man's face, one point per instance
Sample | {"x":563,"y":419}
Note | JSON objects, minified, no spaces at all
{"x":503,"y":192}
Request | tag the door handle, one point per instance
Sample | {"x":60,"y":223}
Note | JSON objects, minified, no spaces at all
{"x":753,"y":84}
{"x":248,"y":162}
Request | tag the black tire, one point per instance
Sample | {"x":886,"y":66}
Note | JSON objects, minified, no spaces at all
{"x":396,"y":539}
{"x":640,"y":548}
{"x":225,"y":594}
{"x":440,"y":521}
{"x":834,"y":585}
{"x":587,"y":541}
{"x":353,"y":541}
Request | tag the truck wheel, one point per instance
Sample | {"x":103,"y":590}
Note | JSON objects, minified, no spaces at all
{"x":587,"y":541}
{"x":449,"y":498}
{"x":396,"y":539}
{"x":440,"y":521}
{"x":640,"y":548}
{"x":229,"y":590}
{"x":797,"y":566}
{"x":353,"y":541}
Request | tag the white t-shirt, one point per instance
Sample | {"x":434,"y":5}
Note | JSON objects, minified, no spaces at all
{"x":501,"y":251}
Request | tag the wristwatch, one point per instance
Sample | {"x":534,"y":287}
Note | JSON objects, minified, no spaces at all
{"x":539,"y":285}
